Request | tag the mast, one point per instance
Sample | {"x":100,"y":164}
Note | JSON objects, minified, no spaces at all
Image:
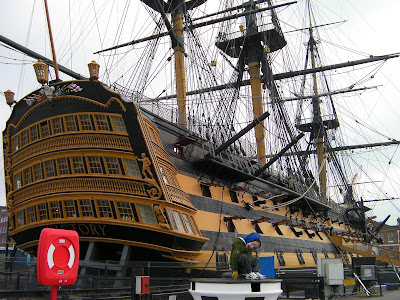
{"x":317,"y":126}
{"x":255,"y":83}
{"x":51,"y":39}
{"x":249,"y":49}
{"x":179,"y":55}
{"x":317,"y":119}
{"x":177,"y":9}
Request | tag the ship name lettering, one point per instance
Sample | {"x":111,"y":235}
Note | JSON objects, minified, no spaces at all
{"x":98,"y":230}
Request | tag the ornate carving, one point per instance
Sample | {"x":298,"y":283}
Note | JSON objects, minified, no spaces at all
{"x":47,"y":93}
{"x":138,"y":188}
{"x":72,"y":141}
{"x":160,"y":216}
{"x":146,"y":172}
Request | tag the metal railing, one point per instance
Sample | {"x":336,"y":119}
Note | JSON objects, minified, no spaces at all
{"x":103,"y":280}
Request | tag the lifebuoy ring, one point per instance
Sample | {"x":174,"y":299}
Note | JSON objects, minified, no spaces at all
{"x":61,"y":256}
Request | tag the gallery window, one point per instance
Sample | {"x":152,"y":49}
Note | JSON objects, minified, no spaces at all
{"x":42,"y":210}
{"x":55,"y":209}
{"x":147,"y":214}
{"x":86,"y":208}
{"x":125,"y":210}
{"x":69,"y":208}
{"x":119,"y":125}
{"x":104,"y":207}
{"x":101,"y":122}
{"x":63,"y":167}
{"x":86,"y":123}
{"x":71,"y":123}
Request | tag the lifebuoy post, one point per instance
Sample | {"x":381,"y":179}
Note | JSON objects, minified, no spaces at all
{"x":57,"y":258}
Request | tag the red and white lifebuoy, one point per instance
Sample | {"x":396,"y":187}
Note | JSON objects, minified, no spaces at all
{"x":60,"y":256}
{"x":57,"y":257}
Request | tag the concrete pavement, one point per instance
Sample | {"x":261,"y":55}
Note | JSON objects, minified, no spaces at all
{"x":387,"y":295}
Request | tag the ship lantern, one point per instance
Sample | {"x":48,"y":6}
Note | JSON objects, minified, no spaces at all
{"x":42,"y":72}
{"x":241,"y":28}
{"x":213,"y":63}
{"x":9,"y":97}
{"x":94,"y":70}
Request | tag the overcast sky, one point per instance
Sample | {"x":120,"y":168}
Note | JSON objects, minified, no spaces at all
{"x":370,"y":27}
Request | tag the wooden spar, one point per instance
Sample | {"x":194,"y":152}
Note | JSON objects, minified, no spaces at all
{"x":33,"y":54}
{"x":179,"y":54}
{"x":319,"y":132}
{"x":255,"y":82}
{"x":51,"y":39}
{"x":289,"y":74}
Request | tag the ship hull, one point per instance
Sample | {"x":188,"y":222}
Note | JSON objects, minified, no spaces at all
{"x":89,"y":161}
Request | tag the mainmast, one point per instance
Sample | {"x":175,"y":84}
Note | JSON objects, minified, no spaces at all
{"x":317,"y":127}
{"x":317,"y":119}
{"x":255,"y":82}
{"x":250,"y":49}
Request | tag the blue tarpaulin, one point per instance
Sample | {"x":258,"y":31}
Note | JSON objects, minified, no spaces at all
{"x":267,"y":266}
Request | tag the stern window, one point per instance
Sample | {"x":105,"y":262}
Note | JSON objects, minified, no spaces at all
{"x":113,"y":165}
{"x":95,"y":164}
{"x":31,"y":212}
{"x":188,"y":223}
{"x":125,"y":210}
{"x":18,"y":182}
{"x":69,"y":207}
{"x":42,"y":211}
{"x":86,"y":123}
{"x":57,"y":125}
{"x":50,"y":168}
{"x":34,"y":133}
{"x":104,"y":208}
{"x":86,"y":208}
{"x":78,"y":166}
{"x":63,"y":165}
{"x":15,"y":143}
{"x":27,"y":175}
{"x":102,"y":123}
{"x":45,"y":128}
{"x":132,"y":167}
{"x":24,"y":138}
{"x":147,"y":214}
{"x":21,"y":217}
{"x":55,"y":209}
{"x":119,"y":125}
{"x":176,"y":220}
{"x":71,"y":123}
{"x":37,"y":171}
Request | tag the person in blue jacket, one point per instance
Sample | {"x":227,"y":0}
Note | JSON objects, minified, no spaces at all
{"x":242,"y":260}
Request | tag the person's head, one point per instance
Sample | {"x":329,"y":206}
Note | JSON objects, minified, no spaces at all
{"x":253,"y":244}
{"x":253,"y":241}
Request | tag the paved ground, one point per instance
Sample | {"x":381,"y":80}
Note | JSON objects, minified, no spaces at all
{"x":389,"y":295}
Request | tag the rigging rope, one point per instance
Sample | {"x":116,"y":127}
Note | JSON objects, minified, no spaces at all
{"x":299,"y":197}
